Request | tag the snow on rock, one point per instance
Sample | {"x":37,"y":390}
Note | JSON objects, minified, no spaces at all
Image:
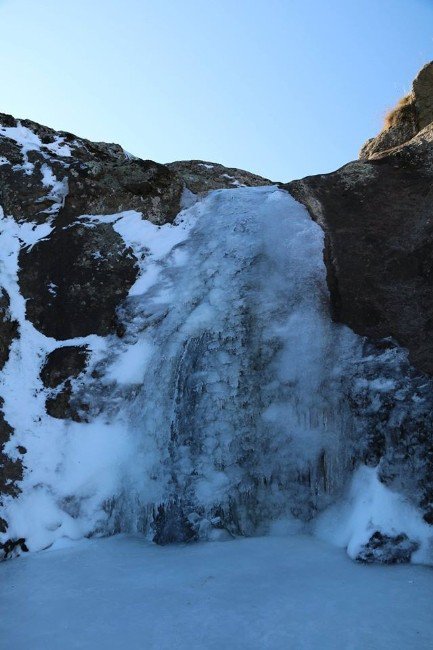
{"x":58,"y":189}
{"x":200,"y":176}
{"x":23,"y":136}
{"x":374,"y":512}
{"x":55,"y":451}
{"x":28,"y":140}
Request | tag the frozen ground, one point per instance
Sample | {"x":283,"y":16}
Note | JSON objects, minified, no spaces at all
{"x":293,"y":593}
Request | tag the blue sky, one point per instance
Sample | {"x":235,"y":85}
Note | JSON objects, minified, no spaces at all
{"x":284,"y":88}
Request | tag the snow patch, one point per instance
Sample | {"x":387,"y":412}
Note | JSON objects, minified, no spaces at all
{"x":58,"y":189}
{"x":59,"y":147}
{"x":71,"y":468}
{"x":27,"y":139}
{"x":150,"y":243}
{"x":30,"y":141}
{"x":370,"y":506}
{"x":129,"y":367}
{"x":234,"y":180}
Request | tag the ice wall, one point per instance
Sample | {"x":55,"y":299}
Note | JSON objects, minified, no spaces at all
{"x":240,"y":417}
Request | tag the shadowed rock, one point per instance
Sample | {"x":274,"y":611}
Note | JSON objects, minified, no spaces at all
{"x":75,"y":279}
{"x":62,"y":364}
{"x":387,"y":549}
{"x":378,"y":219}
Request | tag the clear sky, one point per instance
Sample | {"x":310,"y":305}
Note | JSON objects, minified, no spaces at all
{"x":284,"y":88}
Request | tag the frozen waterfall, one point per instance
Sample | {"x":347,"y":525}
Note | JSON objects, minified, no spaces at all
{"x":240,"y":418}
{"x":222,"y":410}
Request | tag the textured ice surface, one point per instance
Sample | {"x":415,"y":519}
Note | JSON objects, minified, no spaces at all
{"x":240,"y":416}
{"x":274,"y":593}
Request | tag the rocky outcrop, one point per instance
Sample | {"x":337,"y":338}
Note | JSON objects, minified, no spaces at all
{"x":200,"y":176}
{"x":11,"y":470}
{"x":91,"y":177}
{"x":62,"y":364}
{"x":385,"y":549}
{"x":78,"y":296}
{"x":8,"y":327}
{"x":60,"y":367}
{"x":378,"y":219}
{"x":411,"y":115}
{"x":422,"y":90}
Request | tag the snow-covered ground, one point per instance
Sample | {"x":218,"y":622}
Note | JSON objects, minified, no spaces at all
{"x":291,"y":593}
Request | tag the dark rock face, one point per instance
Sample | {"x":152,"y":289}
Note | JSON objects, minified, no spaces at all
{"x":75,"y":279}
{"x":378,"y":220}
{"x":386,"y":549}
{"x":8,"y":327}
{"x":62,"y":364}
{"x":63,"y":406}
{"x":377,"y":214}
{"x":11,"y":471}
{"x":200,"y":176}
{"x":422,"y":90}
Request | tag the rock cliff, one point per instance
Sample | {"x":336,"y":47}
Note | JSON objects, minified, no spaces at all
{"x":378,"y":219}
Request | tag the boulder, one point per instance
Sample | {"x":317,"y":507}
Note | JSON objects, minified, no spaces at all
{"x":387,"y":549}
